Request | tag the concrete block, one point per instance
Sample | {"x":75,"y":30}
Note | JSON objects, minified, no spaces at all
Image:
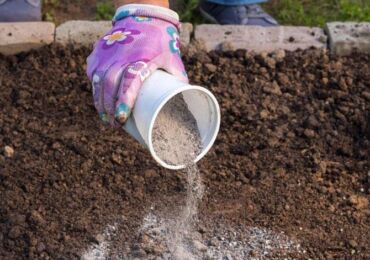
{"x":24,"y":36}
{"x":346,"y":38}
{"x":86,"y":33}
{"x":260,"y":39}
{"x":81,"y":33}
{"x":185,"y":34}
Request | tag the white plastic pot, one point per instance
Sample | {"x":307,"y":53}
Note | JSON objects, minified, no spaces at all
{"x":156,"y":91}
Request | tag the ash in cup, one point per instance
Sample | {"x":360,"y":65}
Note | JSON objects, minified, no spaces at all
{"x":176,"y":140}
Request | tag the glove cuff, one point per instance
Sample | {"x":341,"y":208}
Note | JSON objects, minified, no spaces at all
{"x":143,"y":10}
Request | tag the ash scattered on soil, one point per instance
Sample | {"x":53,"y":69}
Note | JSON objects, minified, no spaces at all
{"x":292,"y":156}
{"x":102,"y":249}
{"x":223,"y":242}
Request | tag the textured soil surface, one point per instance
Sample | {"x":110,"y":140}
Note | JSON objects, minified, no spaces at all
{"x":292,"y":159}
{"x":71,"y":10}
{"x":62,"y":11}
{"x":66,"y":10}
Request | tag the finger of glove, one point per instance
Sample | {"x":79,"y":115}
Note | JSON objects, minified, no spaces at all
{"x":112,"y":82}
{"x":132,"y":80}
{"x":98,"y":89}
{"x":105,"y":85}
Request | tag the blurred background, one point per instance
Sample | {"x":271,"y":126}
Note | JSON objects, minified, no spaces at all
{"x":287,"y":12}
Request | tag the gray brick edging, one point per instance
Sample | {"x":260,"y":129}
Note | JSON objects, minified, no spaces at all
{"x":260,"y":39}
{"x":349,"y":37}
{"x":86,"y":33}
{"x":81,"y":33}
{"x":340,"y":38}
{"x":24,"y":36}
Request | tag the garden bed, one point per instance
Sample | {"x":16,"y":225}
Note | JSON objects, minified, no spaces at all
{"x":292,"y":156}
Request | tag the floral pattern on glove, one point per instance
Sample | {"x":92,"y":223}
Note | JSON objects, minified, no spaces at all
{"x":121,"y":15}
{"x":138,"y":68}
{"x":122,"y":36}
{"x":175,"y":41}
{"x":142,"y":19}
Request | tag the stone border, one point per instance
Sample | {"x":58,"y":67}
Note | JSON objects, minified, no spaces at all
{"x":81,"y":33}
{"x":260,"y":39}
{"x":341,"y":38}
{"x":86,"y":33}
{"x":346,"y":38}
{"x":24,"y":36}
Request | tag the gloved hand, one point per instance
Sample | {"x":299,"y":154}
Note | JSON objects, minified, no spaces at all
{"x":144,"y":38}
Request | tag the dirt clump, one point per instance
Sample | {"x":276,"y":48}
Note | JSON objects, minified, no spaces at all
{"x":8,"y":151}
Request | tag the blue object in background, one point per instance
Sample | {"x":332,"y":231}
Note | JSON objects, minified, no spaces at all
{"x":20,"y":10}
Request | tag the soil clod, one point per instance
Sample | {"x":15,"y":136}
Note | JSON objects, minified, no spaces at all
{"x":8,"y":151}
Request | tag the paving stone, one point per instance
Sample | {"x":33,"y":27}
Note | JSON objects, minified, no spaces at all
{"x":185,"y":34}
{"x":81,"y":33}
{"x":24,"y":36}
{"x":259,"y":39}
{"x":346,"y":38}
{"x":86,"y":33}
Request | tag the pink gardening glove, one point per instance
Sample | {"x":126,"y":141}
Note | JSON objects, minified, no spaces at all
{"x":144,"y":38}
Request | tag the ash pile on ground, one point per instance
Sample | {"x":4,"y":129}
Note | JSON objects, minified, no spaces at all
{"x":292,"y":156}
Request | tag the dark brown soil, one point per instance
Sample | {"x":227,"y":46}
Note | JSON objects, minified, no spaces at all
{"x":292,"y":154}
{"x":66,"y":10}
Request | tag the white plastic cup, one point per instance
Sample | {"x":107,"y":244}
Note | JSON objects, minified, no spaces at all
{"x":156,"y":91}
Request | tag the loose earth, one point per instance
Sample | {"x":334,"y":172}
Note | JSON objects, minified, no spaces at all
{"x":291,"y":164}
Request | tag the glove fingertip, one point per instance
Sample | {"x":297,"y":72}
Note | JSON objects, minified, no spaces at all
{"x":104,"y":117}
{"x":122,"y":113}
